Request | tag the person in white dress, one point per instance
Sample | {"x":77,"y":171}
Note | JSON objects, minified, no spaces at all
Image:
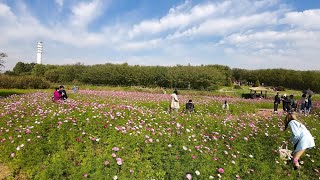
{"x":174,"y":101}
{"x":301,"y":137}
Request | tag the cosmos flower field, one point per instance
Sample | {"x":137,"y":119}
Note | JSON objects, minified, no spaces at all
{"x":131,"y":135}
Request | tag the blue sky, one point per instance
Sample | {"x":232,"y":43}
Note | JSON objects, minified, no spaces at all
{"x":240,"y":33}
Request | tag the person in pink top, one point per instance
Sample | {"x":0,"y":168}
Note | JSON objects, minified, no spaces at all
{"x":56,"y":95}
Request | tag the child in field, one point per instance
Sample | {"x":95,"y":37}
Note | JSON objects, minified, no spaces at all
{"x":174,"y":101}
{"x":56,"y":95}
{"x":301,"y":137}
{"x":225,"y":105}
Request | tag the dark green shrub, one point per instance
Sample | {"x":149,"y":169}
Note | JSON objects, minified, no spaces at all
{"x":23,"y":82}
{"x":257,"y":83}
{"x":280,"y":88}
{"x":213,"y":87}
{"x":237,"y":86}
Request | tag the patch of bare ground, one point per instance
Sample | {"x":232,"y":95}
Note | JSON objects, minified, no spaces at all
{"x":4,"y":171}
{"x":268,"y":112}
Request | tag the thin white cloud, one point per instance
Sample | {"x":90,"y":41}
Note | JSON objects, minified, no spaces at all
{"x":225,"y":26}
{"x":178,"y":17}
{"x":138,"y":45}
{"x":309,"y":19}
{"x":234,"y":33}
{"x":84,"y":13}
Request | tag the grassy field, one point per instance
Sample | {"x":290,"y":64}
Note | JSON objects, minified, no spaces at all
{"x":116,"y":134}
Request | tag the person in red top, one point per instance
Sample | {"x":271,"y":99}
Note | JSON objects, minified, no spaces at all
{"x":56,"y":95}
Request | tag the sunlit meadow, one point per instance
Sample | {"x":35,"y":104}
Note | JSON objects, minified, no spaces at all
{"x":131,"y":135}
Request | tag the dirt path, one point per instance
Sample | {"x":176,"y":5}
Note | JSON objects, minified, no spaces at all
{"x":267,"y":112}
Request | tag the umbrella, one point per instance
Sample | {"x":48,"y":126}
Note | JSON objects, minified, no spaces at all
{"x":307,"y":91}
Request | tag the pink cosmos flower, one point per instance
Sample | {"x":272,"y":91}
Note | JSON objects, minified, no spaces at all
{"x":28,"y":131}
{"x":119,"y":161}
{"x":115,"y":149}
{"x":106,"y":163}
{"x":194,"y":157}
{"x":221,"y":170}
{"x":131,"y":171}
{"x":113,"y":155}
{"x":189,"y":176}
{"x":12,"y":154}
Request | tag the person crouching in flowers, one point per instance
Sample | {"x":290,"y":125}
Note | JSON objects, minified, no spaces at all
{"x":56,"y":95}
{"x":301,"y":137}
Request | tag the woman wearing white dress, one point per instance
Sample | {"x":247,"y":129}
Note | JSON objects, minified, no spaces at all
{"x":174,"y":101}
{"x":301,"y":137}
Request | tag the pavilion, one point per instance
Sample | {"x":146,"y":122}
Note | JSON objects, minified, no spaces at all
{"x":258,"y":92}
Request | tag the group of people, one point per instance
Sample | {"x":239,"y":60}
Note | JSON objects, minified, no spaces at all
{"x":301,"y":137}
{"x":290,"y":105}
{"x":59,"y":94}
{"x":174,"y":104}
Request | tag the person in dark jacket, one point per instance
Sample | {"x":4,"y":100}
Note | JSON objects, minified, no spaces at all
{"x":276,"y":103}
{"x":284,"y":103}
{"x":190,"y":106}
{"x":63,"y":93}
{"x":308,"y":105}
{"x":303,"y":103}
{"x":291,"y":104}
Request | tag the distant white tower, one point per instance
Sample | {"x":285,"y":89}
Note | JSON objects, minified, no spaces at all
{"x":39,"y":53}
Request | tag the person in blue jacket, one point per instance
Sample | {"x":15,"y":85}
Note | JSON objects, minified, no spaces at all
{"x":301,"y":137}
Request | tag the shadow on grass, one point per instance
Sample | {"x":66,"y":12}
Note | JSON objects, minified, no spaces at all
{"x":6,"y":93}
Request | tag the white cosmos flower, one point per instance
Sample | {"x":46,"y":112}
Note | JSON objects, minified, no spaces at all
{"x":197,"y":173}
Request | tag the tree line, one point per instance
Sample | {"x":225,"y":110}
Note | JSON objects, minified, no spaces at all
{"x":204,"y":77}
{"x":278,"y":78}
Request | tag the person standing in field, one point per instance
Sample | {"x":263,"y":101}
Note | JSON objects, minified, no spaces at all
{"x":174,"y":101}
{"x":303,"y":104}
{"x":291,"y":104}
{"x":276,"y":103}
{"x":284,"y":103}
{"x":308,"y":105}
{"x":301,"y":138}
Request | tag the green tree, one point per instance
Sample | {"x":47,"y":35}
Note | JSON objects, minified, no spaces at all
{"x":23,"y":68}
